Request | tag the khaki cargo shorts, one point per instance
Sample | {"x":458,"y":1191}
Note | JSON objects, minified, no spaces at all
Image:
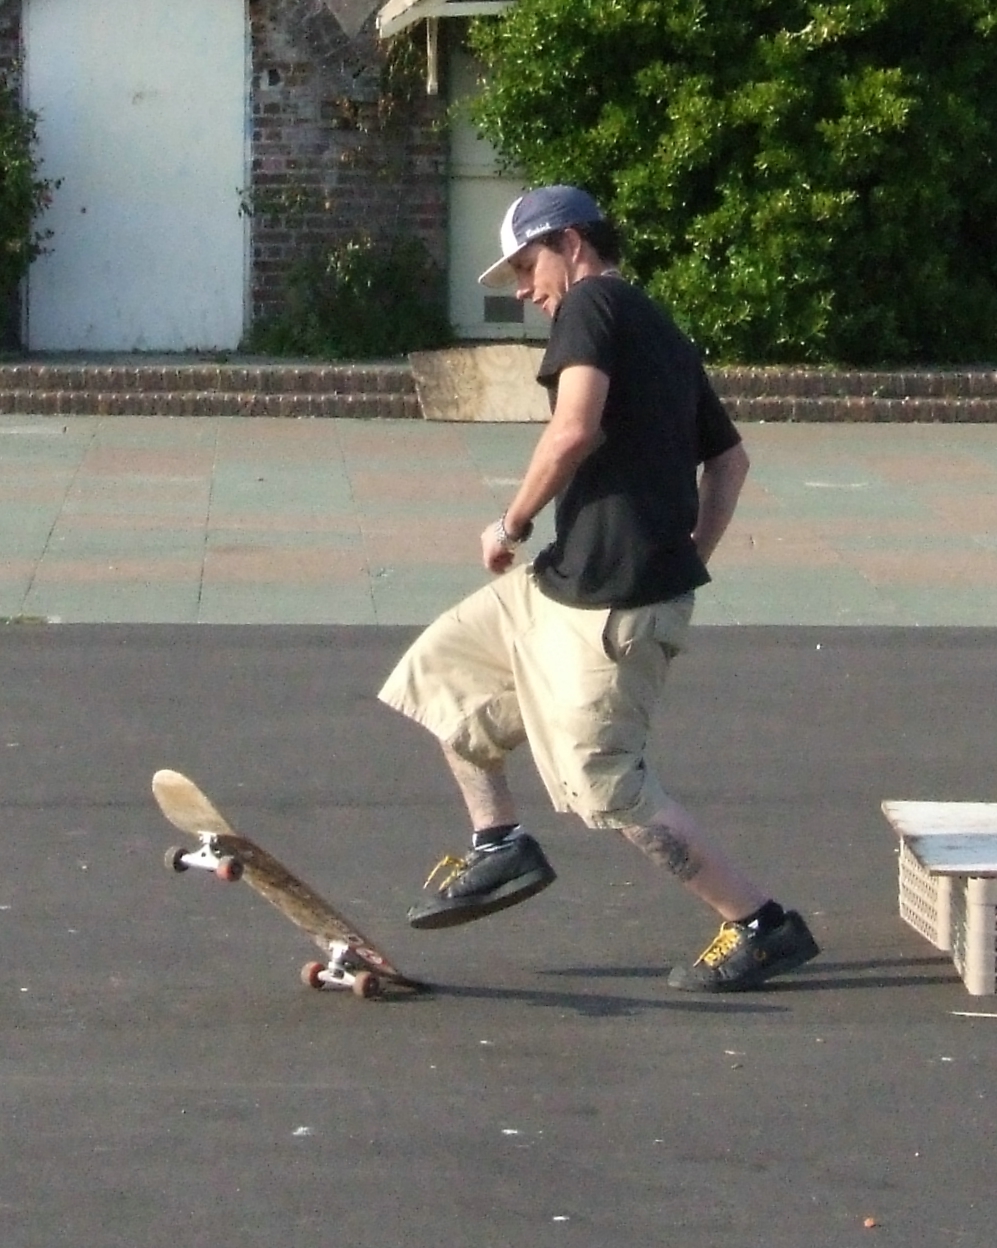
{"x":509,"y":665}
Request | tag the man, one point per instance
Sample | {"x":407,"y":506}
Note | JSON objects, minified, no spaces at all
{"x":570,"y":654}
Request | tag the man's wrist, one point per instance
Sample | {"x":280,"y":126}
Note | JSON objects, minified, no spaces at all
{"x":510,"y":540}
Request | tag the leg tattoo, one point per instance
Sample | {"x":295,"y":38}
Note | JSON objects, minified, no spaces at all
{"x":666,"y":847}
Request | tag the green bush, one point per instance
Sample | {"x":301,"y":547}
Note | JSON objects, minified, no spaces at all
{"x":23,"y":195}
{"x":364,"y":299}
{"x":799,"y":181}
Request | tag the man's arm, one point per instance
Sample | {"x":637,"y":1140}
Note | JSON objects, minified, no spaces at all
{"x":719,"y":488}
{"x":574,"y":431}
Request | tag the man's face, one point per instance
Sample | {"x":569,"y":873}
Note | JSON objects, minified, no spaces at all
{"x":543,"y":274}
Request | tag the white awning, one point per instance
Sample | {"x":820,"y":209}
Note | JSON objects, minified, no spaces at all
{"x":397,"y":14}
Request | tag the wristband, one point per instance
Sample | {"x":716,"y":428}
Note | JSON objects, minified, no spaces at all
{"x":504,"y":538}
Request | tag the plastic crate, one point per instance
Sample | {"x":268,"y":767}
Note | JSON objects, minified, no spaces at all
{"x":951,"y":901}
{"x":925,"y":900}
{"x":973,"y":932}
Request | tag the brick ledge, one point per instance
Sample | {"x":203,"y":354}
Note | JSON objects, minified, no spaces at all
{"x":195,"y":386}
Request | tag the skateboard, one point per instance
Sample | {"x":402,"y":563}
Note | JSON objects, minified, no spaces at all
{"x":351,"y":961}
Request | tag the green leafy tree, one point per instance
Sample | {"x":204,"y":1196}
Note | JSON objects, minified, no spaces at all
{"x":799,"y":181}
{"x":24,"y":195}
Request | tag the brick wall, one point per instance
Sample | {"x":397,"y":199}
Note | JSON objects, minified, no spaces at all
{"x":327,"y":134}
{"x":324,"y":137}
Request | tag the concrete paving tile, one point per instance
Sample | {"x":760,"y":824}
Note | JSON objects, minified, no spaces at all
{"x":907,"y":543}
{"x":957,"y":468}
{"x":804,"y":597}
{"x":418,"y":595}
{"x":147,"y":463}
{"x":460,"y":487}
{"x":54,"y":569}
{"x":756,"y":499}
{"x":903,"y":529}
{"x":761,"y":541}
{"x":26,"y":438}
{"x":775,"y":553}
{"x":938,"y":568}
{"x":710,"y":609}
{"x":12,"y":596}
{"x":163,"y":519}
{"x":15,"y":581}
{"x":26,"y":494}
{"x":343,"y":601}
{"x":471,"y":512}
{"x":926,"y":605}
{"x":113,"y":601}
{"x":289,"y":565}
{"x":404,"y":441}
{"x":820,"y":499}
{"x":155,"y":431}
{"x":331,"y":525}
{"x":109,"y":542}
{"x":280,"y":489}
{"x":970,"y":512}
{"x":286,"y":533}
{"x":893,"y":507}
{"x":501,"y":449}
{"x":401,"y":539}
{"x":187,"y":499}
{"x":28,"y":536}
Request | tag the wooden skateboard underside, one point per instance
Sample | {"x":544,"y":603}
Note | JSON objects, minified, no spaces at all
{"x":188,"y":809}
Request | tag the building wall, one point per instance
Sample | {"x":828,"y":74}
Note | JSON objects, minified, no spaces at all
{"x":339,"y":143}
{"x":352,"y":147}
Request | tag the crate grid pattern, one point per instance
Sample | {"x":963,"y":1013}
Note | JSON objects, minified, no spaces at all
{"x":925,"y":900}
{"x":973,"y":933}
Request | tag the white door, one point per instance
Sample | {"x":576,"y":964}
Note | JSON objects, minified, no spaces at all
{"x":479,"y":197}
{"x":143,"y":110}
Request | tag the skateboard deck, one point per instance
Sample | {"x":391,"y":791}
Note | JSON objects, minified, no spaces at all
{"x":352,"y":961}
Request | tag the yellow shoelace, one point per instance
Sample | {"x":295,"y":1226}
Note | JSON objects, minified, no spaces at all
{"x":724,"y":943}
{"x":449,"y":863}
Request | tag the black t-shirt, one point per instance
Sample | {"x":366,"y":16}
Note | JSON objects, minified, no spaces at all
{"x":623,"y":523}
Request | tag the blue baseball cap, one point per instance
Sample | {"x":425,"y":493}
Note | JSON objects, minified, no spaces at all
{"x":534,"y":214}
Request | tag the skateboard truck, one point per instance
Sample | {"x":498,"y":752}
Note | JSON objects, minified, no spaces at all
{"x":341,"y":971}
{"x":207,"y":858}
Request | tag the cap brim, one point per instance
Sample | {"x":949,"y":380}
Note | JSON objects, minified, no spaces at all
{"x":500,"y":274}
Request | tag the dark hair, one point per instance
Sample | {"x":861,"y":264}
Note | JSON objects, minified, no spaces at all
{"x":602,"y":236}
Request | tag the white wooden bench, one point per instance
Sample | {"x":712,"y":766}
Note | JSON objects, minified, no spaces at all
{"x":948,"y":882}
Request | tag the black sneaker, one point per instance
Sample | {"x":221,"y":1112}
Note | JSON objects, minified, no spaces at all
{"x":741,"y":958}
{"x":491,"y":878}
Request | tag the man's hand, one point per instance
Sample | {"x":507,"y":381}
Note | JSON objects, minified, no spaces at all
{"x":497,"y":557}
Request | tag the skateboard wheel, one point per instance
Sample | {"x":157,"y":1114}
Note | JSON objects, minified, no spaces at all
{"x":174,"y":859}
{"x":366,"y":985}
{"x":311,"y":974}
{"x":229,"y":869}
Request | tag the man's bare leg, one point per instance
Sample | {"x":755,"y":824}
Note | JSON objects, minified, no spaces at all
{"x":674,"y":840}
{"x":505,"y":865}
{"x":759,"y":939}
{"x":486,"y":793}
